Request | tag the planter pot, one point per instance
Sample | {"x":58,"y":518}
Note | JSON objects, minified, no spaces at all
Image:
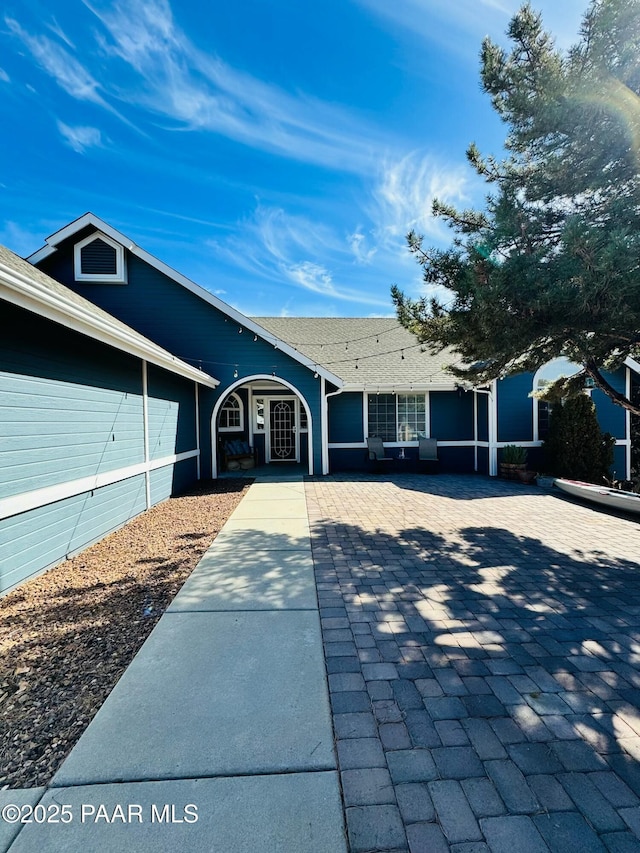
{"x":545,"y":483}
{"x":511,"y":472}
{"x":527,"y":477}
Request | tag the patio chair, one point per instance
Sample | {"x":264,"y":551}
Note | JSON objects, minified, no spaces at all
{"x":376,"y":453}
{"x":428,"y":454}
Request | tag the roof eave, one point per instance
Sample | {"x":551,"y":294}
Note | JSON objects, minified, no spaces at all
{"x":386,"y":387}
{"x":35,"y":297}
{"x":245,"y":322}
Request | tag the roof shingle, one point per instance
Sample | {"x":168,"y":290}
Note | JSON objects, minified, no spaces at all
{"x":364,"y":351}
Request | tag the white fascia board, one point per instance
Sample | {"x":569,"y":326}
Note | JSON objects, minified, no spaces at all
{"x":632,"y":363}
{"x":410,"y":387}
{"x":196,"y":289}
{"x":37,"y":298}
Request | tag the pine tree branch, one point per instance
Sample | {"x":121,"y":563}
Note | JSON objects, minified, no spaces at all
{"x":592,"y":370}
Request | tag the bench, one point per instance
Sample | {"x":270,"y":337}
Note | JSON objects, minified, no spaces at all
{"x":238,"y":451}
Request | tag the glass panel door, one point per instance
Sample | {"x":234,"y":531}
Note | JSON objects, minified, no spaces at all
{"x":282,"y":430}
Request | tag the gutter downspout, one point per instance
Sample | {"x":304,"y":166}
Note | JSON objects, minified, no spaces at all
{"x":324,"y":397}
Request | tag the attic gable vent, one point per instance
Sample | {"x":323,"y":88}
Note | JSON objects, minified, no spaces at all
{"x":99,"y":258}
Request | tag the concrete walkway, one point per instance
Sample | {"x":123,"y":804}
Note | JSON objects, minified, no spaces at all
{"x":223,"y":714}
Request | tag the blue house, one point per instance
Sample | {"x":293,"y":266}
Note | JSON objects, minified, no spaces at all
{"x":308,"y":390}
{"x":97,"y":422}
{"x":121,"y":376}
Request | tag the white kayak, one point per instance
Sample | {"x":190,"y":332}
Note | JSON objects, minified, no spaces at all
{"x":612,"y":498}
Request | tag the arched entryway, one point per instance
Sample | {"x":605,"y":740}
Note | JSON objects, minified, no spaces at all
{"x":274,"y":416}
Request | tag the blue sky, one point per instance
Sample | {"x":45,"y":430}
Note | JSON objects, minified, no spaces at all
{"x":274,"y":151}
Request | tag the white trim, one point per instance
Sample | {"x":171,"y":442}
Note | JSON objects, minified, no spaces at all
{"x":145,"y":430}
{"x":83,"y":317}
{"x":627,"y":422}
{"x":244,"y":322}
{"x":239,"y":428}
{"x":362,"y":445}
{"x":244,"y":381}
{"x":197,"y":415}
{"x":252,"y":416}
{"x":475,"y":430}
{"x":493,"y":428}
{"x":324,"y":426}
{"x":37,"y":498}
{"x":120,"y":275}
{"x":402,"y":387}
{"x":404,"y":393}
{"x":268,"y":402}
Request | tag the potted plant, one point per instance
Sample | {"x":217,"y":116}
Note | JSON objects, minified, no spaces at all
{"x":512,"y":460}
{"x":545,"y":481}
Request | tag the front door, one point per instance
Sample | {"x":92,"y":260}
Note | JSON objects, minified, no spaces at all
{"x":282,"y":431}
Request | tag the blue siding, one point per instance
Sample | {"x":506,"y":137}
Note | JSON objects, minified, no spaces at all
{"x":457,"y":460}
{"x":483,"y":460}
{"x":620,"y":462}
{"x":451,"y":415}
{"x":172,"y":426}
{"x":172,"y":479}
{"x":483,"y":417}
{"x":36,"y":540}
{"x":70,"y":408}
{"x":193,"y":330}
{"x":515,"y":408}
{"x":345,"y":418}
{"x":611,"y":417}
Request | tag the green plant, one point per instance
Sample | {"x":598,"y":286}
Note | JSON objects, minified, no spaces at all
{"x":512,"y":454}
{"x":576,"y":447}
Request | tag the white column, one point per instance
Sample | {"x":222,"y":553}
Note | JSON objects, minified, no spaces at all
{"x":493,"y":429}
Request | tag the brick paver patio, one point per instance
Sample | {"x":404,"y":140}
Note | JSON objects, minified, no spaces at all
{"x":482,"y":643}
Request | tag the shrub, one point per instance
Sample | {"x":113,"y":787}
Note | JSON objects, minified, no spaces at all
{"x":576,"y":447}
{"x":512,"y":454}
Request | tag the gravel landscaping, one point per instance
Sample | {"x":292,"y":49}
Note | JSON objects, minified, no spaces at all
{"x":67,"y":636}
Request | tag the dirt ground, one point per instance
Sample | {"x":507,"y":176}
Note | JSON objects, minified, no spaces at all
{"x":67,"y":636}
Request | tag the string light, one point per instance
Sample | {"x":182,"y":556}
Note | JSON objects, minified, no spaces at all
{"x":255,"y":337}
{"x":235,"y":373}
{"x":240,"y":330}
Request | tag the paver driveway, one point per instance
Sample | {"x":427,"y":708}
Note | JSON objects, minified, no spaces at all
{"x":482,"y":642}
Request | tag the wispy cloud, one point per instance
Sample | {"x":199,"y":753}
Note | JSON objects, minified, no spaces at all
{"x":65,"y":69}
{"x":194,"y":90}
{"x":362,"y":252}
{"x":405,"y":191}
{"x":80,"y":138}
{"x":4,"y":77}
{"x":19,"y":239}
{"x":455,"y":25}
{"x":283,"y":248}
